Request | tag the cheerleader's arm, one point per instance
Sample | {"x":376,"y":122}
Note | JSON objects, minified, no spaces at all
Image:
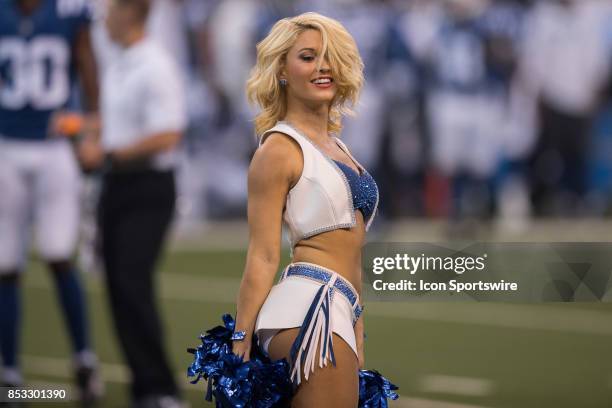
{"x":275,"y":167}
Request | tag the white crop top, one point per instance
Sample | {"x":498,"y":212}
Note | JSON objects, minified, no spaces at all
{"x":321,"y":200}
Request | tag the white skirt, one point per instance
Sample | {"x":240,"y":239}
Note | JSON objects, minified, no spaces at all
{"x":320,"y":302}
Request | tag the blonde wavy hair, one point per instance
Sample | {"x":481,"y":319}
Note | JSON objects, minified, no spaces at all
{"x":339,"y":48}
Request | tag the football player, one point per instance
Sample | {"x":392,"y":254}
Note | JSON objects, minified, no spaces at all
{"x":43,"y":45}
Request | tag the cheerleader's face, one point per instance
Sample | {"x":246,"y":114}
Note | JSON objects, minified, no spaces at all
{"x":305,"y":82}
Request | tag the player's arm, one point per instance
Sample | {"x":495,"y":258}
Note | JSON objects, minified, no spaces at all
{"x":87,"y":127}
{"x":275,"y":167}
{"x":87,"y":69}
{"x":73,"y":125}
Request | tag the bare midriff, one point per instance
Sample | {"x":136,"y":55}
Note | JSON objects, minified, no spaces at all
{"x":338,"y":250}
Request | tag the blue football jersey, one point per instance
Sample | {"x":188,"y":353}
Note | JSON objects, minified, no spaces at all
{"x":37,"y":63}
{"x":461,"y":61}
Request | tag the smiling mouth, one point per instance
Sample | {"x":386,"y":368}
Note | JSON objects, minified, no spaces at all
{"x":322,"y":81}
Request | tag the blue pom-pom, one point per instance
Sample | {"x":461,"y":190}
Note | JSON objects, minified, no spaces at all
{"x":261,"y":382}
{"x":257,"y":383}
{"x":374,"y":390}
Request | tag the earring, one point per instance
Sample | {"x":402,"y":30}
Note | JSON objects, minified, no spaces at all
{"x":282,"y":82}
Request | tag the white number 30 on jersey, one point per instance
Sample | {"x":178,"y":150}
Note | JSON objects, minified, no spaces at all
{"x":38,"y":72}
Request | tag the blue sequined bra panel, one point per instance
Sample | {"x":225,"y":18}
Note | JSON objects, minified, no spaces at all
{"x":363,"y":189}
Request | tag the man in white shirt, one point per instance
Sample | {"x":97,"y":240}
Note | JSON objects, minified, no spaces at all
{"x":565,"y":64}
{"x":143,"y":116}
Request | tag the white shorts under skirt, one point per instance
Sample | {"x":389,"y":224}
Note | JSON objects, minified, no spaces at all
{"x":320,"y":302}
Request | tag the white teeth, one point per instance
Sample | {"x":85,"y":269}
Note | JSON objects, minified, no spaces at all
{"x":322,"y":81}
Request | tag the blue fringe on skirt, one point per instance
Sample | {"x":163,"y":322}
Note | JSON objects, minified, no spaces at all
{"x":260,"y":382}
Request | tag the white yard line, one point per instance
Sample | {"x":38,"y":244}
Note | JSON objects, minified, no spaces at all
{"x":214,"y":289}
{"x":111,"y":372}
{"x":174,"y":286}
{"x":60,"y":368}
{"x":407,"y":402}
{"x":118,"y":373}
{"x":456,"y":385}
{"x":526,"y":317}
{"x":543,"y":317}
{"x":233,"y":235}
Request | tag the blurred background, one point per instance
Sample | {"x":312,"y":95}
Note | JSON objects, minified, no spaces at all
{"x":486,"y":120}
{"x":472,"y":109}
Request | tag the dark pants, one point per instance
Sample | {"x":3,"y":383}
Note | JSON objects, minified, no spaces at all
{"x":559,"y":163}
{"x":134,"y":213}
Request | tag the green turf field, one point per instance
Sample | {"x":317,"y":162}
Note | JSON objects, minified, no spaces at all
{"x":451,"y":355}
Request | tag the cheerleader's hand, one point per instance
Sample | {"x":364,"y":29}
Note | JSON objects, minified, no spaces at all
{"x":242,"y":348}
